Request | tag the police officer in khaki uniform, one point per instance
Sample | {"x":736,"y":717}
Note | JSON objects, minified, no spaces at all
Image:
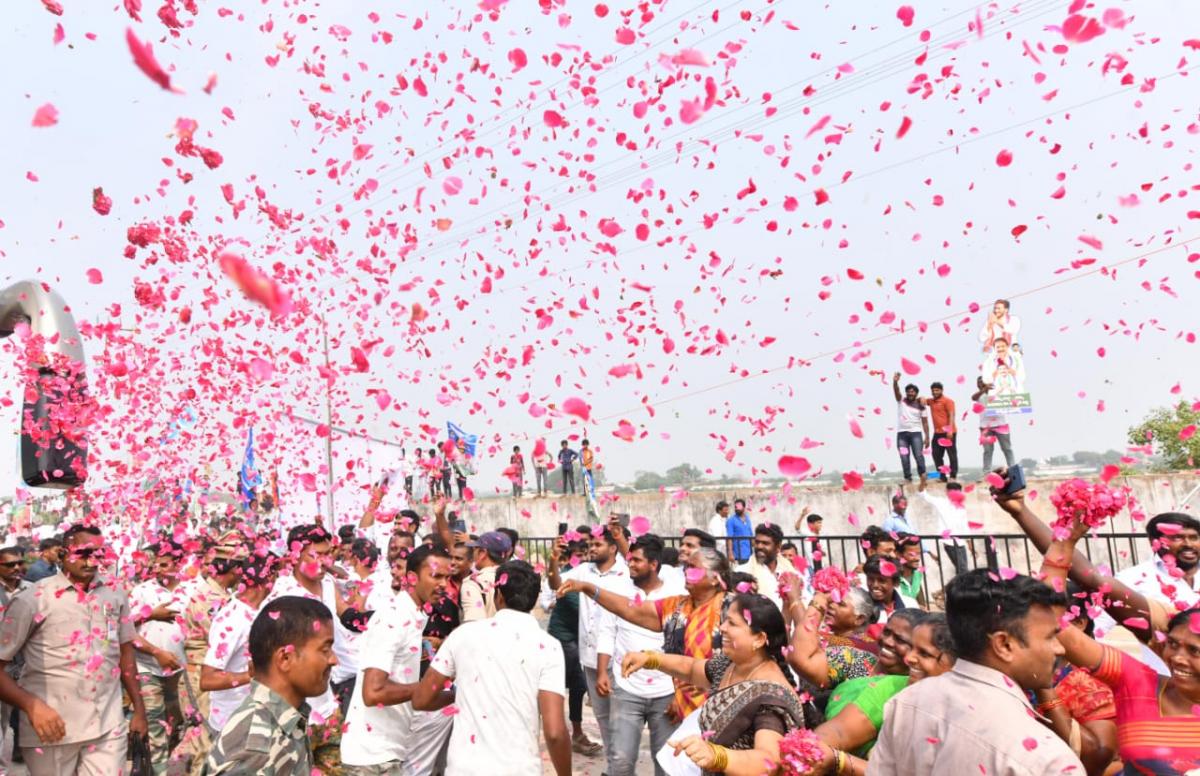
{"x":291,"y":649}
{"x":76,"y":637}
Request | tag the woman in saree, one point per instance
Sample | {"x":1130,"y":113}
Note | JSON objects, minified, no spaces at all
{"x":690,"y":624}
{"x":821,"y":656}
{"x":855,"y":710}
{"x":751,"y":702}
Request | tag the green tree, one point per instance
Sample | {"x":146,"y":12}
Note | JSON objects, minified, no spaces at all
{"x":648,"y":481}
{"x":1171,"y":433}
{"x":683,"y":474}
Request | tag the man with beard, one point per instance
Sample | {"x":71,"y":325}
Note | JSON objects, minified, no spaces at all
{"x":1169,"y":578}
{"x":642,"y":698}
{"x":693,"y":539}
{"x":477,"y":595}
{"x":764,"y":566}
{"x":291,"y":649}
{"x":606,"y":568}
{"x":381,"y":733}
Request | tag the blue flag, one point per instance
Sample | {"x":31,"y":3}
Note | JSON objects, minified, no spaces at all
{"x":249,"y":479}
{"x":456,"y":433}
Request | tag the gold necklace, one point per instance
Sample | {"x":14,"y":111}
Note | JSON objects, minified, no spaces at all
{"x":752,"y":672}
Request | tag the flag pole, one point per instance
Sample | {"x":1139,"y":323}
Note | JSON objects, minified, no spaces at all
{"x":329,"y":426}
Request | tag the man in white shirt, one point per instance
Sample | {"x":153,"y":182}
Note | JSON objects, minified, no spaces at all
{"x":976,"y":718}
{"x":156,"y":605}
{"x":1169,"y":577}
{"x":764,"y":566}
{"x":716,"y":526}
{"x":379,"y":738}
{"x":311,"y":552}
{"x":912,"y":427}
{"x":952,"y":518}
{"x":1001,"y":326}
{"x":606,"y":568}
{"x":225,"y":674}
{"x":507,"y":672}
{"x":642,"y":698}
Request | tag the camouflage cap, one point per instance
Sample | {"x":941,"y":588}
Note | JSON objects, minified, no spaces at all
{"x":231,"y":545}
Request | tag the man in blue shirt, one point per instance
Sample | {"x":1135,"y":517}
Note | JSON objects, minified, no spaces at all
{"x":738,"y":524}
{"x":897,"y":522}
{"x":47,"y":565}
{"x":566,"y":462}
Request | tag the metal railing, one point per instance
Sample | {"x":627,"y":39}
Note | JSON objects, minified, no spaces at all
{"x":1114,"y":551}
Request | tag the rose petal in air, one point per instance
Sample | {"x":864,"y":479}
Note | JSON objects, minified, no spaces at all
{"x":45,"y":116}
{"x":794,"y":466}
{"x":143,"y":57}
{"x":578,"y":407}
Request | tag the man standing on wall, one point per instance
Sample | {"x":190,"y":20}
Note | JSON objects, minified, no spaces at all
{"x":566,"y":463}
{"x":912,"y":428}
{"x":945,"y":431}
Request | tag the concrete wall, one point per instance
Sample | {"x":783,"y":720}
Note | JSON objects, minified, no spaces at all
{"x":671,"y":513}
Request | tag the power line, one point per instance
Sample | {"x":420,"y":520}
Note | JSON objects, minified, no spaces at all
{"x":876,"y":72}
{"x":889,"y":335}
{"x":733,"y":124}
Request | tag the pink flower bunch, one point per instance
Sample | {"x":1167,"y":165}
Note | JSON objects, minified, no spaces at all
{"x":833,"y":581}
{"x":800,"y":752}
{"x":1093,"y":503}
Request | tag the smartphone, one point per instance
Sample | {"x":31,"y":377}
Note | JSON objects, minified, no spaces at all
{"x":1015,"y":480}
{"x":623,"y":519}
{"x":562,"y":529}
{"x":458,"y":525}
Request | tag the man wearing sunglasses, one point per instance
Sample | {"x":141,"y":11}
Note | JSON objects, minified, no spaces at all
{"x":76,"y":635}
{"x":12,"y":570}
{"x":12,"y":581}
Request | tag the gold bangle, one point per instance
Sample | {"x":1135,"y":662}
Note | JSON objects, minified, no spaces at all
{"x":720,"y":758}
{"x":841,"y":762}
{"x":653,"y":660}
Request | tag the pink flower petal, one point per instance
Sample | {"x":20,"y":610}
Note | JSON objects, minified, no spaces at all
{"x":45,"y":116}
{"x":794,"y":466}
{"x":578,"y":407}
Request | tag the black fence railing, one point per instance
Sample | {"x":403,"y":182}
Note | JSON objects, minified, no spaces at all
{"x":1114,"y":551}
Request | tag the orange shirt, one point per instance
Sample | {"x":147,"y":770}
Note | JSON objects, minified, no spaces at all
{"x":941,"y":412}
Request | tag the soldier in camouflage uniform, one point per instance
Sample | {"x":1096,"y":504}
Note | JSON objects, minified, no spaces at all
{"x":291,"y":650}
{"x":205,"y":594}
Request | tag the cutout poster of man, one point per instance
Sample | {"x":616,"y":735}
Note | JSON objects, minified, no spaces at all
{"x":1002,"y":372}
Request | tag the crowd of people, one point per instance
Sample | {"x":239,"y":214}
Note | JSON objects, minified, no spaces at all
{"x":446,"y":472}
{"x":400,"y":645}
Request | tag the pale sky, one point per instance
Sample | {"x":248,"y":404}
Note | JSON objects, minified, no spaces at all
{"x":1091,"y":157}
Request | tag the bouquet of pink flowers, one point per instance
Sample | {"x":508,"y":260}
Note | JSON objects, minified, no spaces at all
{"x":833,"y":581}
{"x":800,"y":753}
{"x":1092,"y":503}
